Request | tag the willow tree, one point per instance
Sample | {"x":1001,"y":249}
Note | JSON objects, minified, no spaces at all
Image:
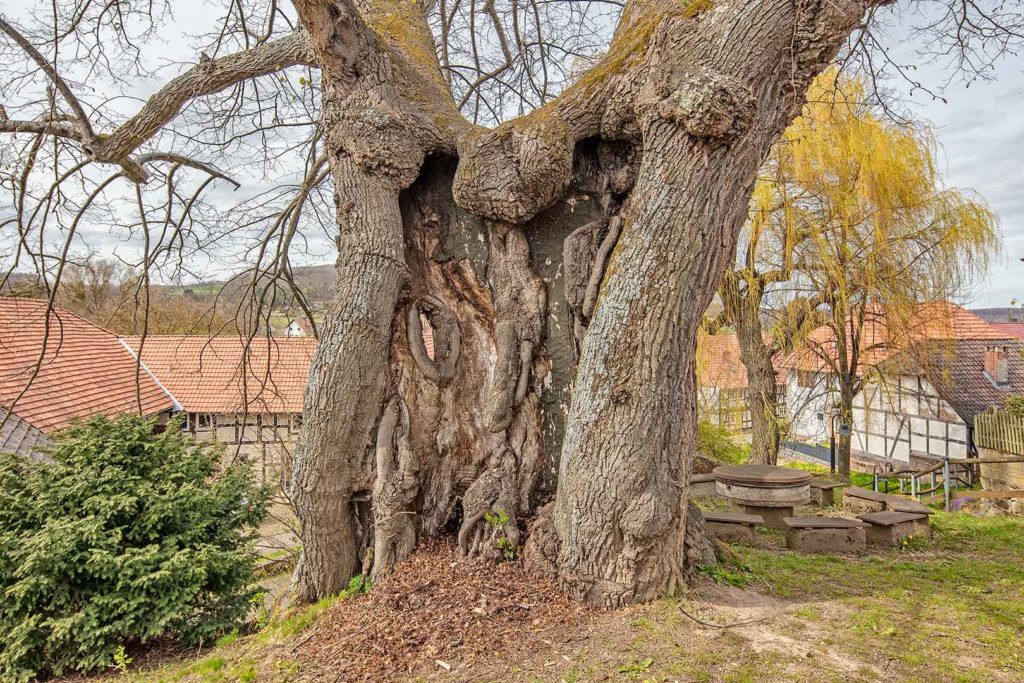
{"x":758,"y":298}
{"x":872,"y":240}
{"x":562,"y":259}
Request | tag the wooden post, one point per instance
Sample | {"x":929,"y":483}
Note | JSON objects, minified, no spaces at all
{"x":945,"y":480}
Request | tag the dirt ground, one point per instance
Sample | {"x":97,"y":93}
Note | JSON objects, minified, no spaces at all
{"x":946,"y":609}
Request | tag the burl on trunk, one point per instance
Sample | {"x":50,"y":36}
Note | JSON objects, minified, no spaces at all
{"x":562,"y":262}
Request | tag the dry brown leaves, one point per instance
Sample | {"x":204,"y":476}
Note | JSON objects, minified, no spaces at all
{"x":436,"y":610}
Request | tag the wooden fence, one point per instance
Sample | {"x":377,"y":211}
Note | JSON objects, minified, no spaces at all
{"x":999,"y":431}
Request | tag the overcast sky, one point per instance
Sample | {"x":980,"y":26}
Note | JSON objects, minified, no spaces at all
{"x":980,"y":128}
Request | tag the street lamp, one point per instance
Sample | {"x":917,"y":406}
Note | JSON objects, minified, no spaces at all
{"x":844,"y":430}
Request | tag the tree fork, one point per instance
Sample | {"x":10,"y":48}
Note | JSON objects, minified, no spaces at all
{"x":698,"y":97}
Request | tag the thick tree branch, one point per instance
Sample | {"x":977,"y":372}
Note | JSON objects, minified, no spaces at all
{"x":205,"y":78}
{"x":59,"y":129}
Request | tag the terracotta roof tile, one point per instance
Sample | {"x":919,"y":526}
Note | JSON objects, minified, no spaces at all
{"x":936,"y":322}
{"x":719,"y":364}
{"x":1014,"y":330}
{"x":205,"y":374}
{"x":85,"y":370}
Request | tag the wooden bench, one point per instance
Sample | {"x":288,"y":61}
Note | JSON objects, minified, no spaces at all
{"x":889,"y":528}
{"x":823,"y":492}
{"x":702,"y":486}
{"x":825,"y":535}
{"x":734,"y":527}
{"x":860,"y":500}
{"x":922,"y":524}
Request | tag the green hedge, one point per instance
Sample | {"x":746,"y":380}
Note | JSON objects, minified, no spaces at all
{"x":721,"y":445}
{"x":128,"y":536}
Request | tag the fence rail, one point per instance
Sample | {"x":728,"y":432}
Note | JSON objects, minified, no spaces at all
{"x":999,"y":431}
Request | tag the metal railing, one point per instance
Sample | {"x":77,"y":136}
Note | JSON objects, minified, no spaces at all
{"x":955,"y":474}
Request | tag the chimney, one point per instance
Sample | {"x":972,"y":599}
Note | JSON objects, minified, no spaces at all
{"x":996,"y":366}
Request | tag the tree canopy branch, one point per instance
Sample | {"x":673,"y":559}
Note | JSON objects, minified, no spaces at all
{"x":207,"y":77}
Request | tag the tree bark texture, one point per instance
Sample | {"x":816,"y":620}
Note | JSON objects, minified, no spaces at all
{"x":741,"y":300}
{"x":563,"y":261}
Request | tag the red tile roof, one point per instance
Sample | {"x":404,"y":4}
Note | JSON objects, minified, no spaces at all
{"x":719,"y":364}
{"x":936,"y":322}
{"x":85,"y":370}
{"x":1010,"y":330}
{"x":205,"y":374}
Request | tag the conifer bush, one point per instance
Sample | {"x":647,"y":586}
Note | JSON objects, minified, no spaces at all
{"x":126,"y":537}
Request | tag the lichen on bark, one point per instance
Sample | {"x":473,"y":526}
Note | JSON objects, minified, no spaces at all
{"x":563,"y":260}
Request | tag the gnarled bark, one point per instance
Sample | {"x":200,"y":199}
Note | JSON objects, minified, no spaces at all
{"x":638,"y":177}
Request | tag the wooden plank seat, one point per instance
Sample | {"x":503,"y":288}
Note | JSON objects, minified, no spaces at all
{"x":734,"y":527}
{"x":898,"y":504}
{"x":823,"y":491}
{"x":922,"y":524}
{"x":825,"y":534}
{"x":860,"y":500}
{"x":703,"y":486}
{"x":889,"y":528}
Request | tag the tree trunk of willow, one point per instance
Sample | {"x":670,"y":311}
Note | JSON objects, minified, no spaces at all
{"x":763,"y":400}
{"x":741,"y":300}
{"x":562,"y":261}
{"x":844,"y":444}
{"x":762,"y":387}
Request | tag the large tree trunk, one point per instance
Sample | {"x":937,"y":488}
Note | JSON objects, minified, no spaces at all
{"x":596,"y":228}
{"x":348,"y":382}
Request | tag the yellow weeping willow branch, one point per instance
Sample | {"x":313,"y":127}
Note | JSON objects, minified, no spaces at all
{"x":852,"y":211}
{"x":850,"y":227}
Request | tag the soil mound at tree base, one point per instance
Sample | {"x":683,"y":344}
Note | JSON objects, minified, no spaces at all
{"x":436,"y":610}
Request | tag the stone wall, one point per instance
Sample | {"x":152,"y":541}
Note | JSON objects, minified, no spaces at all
{"x":1003,"y":477}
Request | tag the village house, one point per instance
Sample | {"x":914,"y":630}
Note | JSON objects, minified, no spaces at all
{"x":244,"y":393}
{"x":920,"y":395}
{"x":722,"y":383}
{"x":56,"y":367}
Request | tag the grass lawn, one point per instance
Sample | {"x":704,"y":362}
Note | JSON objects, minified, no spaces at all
{"x":946,"y":609}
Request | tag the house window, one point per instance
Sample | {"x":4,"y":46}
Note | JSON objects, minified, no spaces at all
{"x":204,"y":421}
{"x":275,"y":426}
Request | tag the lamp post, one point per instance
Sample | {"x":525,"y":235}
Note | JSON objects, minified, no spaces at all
{"x":832,"y":442}
{"x":844,"y":430}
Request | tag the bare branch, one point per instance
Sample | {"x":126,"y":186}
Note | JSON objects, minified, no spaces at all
{"x":69,"y":97}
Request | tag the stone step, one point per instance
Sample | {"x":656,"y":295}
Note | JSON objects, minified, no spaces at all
{"x":822,"y":523}
{"x":826,"y":484}
{"x":864,"y":494}
{"x":889,"y":528}
{"x":890,"y":517}
{"x":734,"y":527}
{"x":734,"y":518}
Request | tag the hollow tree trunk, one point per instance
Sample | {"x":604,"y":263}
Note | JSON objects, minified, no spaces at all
{"x":594,"y":229}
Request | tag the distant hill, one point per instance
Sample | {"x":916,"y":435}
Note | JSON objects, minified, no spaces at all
{"x":999,"y":315}
{"x":315,"y":282}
